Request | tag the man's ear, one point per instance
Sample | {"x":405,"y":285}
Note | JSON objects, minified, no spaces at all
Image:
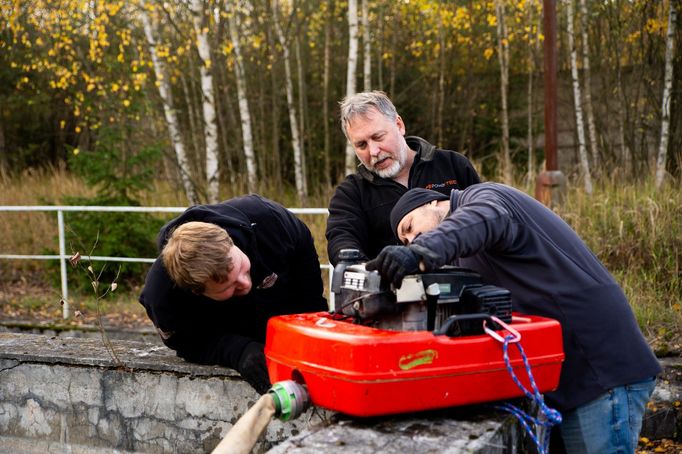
{"x":400,"y":124}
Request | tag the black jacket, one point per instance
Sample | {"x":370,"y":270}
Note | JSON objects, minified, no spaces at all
{"x":515,"y":242}
{"x":216,"y":332}
{"x":360,"y":208}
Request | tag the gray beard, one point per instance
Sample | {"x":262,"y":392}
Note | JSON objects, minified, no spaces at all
{"x":391,"y":171}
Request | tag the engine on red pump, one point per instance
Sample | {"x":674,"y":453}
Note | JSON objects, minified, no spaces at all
{"x":424,"y":301}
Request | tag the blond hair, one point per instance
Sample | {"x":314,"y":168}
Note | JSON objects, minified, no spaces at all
{"x":198,"y":252}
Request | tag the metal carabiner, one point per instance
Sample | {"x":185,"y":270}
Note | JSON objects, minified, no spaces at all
{"x":497,"y":337}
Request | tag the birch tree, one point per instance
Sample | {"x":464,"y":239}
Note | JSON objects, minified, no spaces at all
{"x":582,"y":151}
{"x":503,"y":56}
{"x":295,"y":139}
{"x":325,"y":89}
{"x":163,"y":82}
{"x":589,"y":111}
{"x":667,"y":90}
{"x":244,"y":111}
{"x":301,"y":109}
{"x":208,"y":103}
{"x":350,"y":74}
{"x":367,"y":48}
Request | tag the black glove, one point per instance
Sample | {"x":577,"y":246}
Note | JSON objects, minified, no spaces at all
{"x":252,"y":367}
{"x":394,"y":263}
{"x":428,"y":260}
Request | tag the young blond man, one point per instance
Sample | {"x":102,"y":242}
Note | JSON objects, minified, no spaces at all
{"x":222,"y":272}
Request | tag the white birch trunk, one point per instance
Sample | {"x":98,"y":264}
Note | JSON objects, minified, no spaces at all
{"x":244,"y":111}
{"x":582,"y":150}
{"x":301,"y":112}
{"x":589,"y":111}
{"x":367,"y":48}
{"x":503,"y":56}
{"x":350,"y":74}
{"x":208,"y":104}
{"x":667,"y":89}
{"x":168,"y":108}
{"x":293,"y":122}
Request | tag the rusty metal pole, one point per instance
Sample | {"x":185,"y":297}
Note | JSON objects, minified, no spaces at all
{"x":550,"y":185}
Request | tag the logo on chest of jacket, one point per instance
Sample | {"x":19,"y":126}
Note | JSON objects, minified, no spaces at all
{"x":268,"y":282}
{"x":445,"y":184}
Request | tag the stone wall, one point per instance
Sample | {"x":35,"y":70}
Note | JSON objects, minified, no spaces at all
{"x":61,"y":393}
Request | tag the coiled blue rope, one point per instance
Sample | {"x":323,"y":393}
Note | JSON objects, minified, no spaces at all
{"x":551,"y":416}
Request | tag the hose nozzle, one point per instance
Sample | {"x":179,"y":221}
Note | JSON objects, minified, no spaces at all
{"x":291,"y":399}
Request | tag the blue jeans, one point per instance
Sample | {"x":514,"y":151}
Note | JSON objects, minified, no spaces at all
{"x":610,"y":423}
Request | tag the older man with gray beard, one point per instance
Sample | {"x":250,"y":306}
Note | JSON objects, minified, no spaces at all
{"x":391,"y":163}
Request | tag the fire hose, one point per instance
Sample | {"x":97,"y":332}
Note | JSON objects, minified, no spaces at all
{"x":286,"y":400}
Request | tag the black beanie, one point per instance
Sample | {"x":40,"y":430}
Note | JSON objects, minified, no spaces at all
{"x":414,"y":198}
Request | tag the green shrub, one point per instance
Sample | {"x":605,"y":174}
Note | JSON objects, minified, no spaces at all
{"x":119,"y":177}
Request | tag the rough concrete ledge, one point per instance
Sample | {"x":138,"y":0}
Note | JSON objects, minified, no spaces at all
{"x":464,"y":430}
{"x":69,"y":395}
{"x":145,"y":334}
{"x":60,"y":394}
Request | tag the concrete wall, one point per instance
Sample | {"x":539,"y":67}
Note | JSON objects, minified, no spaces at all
{"x":61,"y":394}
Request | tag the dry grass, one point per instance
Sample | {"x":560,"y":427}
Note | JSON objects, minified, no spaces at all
{"x":635,"y":230}
{"x":34,"y":232}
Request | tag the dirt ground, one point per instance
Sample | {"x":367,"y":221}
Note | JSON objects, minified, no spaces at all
{"x":27,"y":298}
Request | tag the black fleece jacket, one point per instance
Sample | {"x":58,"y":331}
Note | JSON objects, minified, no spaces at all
{"x":360,"y":208}
{"x":285,"y":272}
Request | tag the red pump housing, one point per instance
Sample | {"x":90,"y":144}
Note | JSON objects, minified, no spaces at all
{"x":364,"y":371}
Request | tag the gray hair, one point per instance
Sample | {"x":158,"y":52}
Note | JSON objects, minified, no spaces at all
{"x":361,"y":103}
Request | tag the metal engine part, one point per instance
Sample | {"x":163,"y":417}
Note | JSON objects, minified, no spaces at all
{"x":423,"y":301}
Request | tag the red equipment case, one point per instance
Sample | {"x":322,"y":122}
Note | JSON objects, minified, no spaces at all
{"x":364,"y":371}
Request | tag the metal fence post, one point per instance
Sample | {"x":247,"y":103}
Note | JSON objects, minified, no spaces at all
{"x":62,"y":264}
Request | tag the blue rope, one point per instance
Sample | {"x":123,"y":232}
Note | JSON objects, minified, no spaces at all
{"x":551,"y":415}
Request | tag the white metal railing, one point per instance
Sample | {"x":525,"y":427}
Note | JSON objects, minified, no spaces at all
{"x":63,"y":257}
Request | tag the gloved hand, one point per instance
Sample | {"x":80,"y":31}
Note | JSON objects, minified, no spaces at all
{"x":394,"y":263}
{"x":428,"y":260}
{"x":252,"y":367}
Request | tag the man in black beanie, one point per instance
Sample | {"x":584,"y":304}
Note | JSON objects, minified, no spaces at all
{"x":517,"y":243}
